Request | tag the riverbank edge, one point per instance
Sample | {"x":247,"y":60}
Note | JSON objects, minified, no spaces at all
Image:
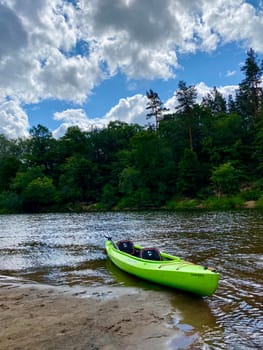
{"x":225,"y":203}
{"x":182,"y":204}
{"x":45,"y":318}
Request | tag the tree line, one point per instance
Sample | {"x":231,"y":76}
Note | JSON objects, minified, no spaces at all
{"x":204,"y":154}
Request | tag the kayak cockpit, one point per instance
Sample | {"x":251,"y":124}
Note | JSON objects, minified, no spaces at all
{"x":150,"y":253}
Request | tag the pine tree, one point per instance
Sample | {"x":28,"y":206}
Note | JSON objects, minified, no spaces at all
{"x":249,"y":95}
{"x":215,"y":102}
{"x":231,"y":104}
{"x":186,"y":97}
{"x":155,"y":105}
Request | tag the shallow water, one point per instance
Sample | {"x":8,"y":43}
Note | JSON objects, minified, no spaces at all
{"x":68,"y":250}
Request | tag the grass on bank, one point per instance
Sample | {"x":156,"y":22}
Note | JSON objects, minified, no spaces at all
{"x":215,"y":203}
{"x":252,"y":198}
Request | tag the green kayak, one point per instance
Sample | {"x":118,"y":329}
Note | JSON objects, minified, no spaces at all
{"x":162,"y":268}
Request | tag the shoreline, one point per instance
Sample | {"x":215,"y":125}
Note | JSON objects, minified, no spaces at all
{"x":211,"y":204}
{"x":52,"y":318}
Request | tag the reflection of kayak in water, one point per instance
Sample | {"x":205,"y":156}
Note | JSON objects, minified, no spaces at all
{"x":162,"y":268}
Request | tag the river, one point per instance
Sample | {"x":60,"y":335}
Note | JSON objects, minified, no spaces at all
{"x":68,"y":250}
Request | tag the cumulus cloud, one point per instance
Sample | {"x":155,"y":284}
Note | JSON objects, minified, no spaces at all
{"x":13,"y":120}
{"x":131,"y":110}
{"x":40,"y":40}
{"x":77,"y":117}
{"x":69,"y":79}
{"x":202,"y":91}
{"x":13,"y":35}
{"x":228,"y":90}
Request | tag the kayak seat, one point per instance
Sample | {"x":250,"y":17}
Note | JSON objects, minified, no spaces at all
{"x":150,"y":254}
{"x":137,"y":252}
{"x":126,"y":246}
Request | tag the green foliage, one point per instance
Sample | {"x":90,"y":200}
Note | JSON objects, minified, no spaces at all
{"x":39,"y":192}
{"x":77,"y":179}
{"x":34,"y":189}
{"x":182,"y":204}
{"x":133,"y":190}
{"x":10,"y":202}
{"x":153,"y":163}
{"x":259,"y":184}
{"x":259,"y":203}
{"x":40,"y":148}
{"x":9,"y":166}
{"x":139,"y":199}
{"x":259,"y":147}
{"x":210,"y":203}
{"x":188,"y":182}
{"x":186,"y":97}
{"x":130,"y":181}
{"x":225,"y":179}
{"x":251,"y":195}
{"x":23,"y":178}
{"x":109,"y":196}
{"x":215,"y":102}
{"x":200,"y":149}
{"x":249,"y":96}
{"x":223,"y":203}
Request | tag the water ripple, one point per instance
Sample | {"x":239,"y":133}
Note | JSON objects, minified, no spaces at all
{"x":68,"y":249}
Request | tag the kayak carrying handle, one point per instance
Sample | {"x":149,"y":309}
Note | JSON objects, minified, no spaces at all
{"x":110,"y":239}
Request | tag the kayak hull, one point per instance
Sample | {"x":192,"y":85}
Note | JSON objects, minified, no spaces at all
{"x":171,"y":271}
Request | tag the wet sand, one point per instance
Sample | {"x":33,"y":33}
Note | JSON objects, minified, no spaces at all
{"x":45,"y":318}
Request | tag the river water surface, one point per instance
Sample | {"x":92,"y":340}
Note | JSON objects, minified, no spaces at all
{"x":68,"y":250}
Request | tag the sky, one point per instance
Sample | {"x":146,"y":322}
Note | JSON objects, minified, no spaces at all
{"x":89,"y":62}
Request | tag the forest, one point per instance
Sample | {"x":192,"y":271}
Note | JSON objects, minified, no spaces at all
{"x":206,"y":155}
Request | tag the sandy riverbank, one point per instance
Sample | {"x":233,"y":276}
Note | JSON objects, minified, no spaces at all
{"x":44,"y":318}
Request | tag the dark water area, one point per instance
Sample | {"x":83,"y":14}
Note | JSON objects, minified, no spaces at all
{"x":68,"y":250}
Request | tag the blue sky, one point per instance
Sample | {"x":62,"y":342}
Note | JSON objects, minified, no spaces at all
{"x":87,"y":62}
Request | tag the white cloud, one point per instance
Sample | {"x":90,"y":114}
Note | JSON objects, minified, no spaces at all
{"x":76,"y":117}
{"x":38,"y":41}
{"x":230,"y":73}
{"x":13,"y":120}
{"x":236,"y":20}
{"x":228,"y":90}
{"x":202,"y":91}
{"x":141,"y":39}
{"x":68,"y":78}
{"x":12,"y":34}
{"x":131,"y":110}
